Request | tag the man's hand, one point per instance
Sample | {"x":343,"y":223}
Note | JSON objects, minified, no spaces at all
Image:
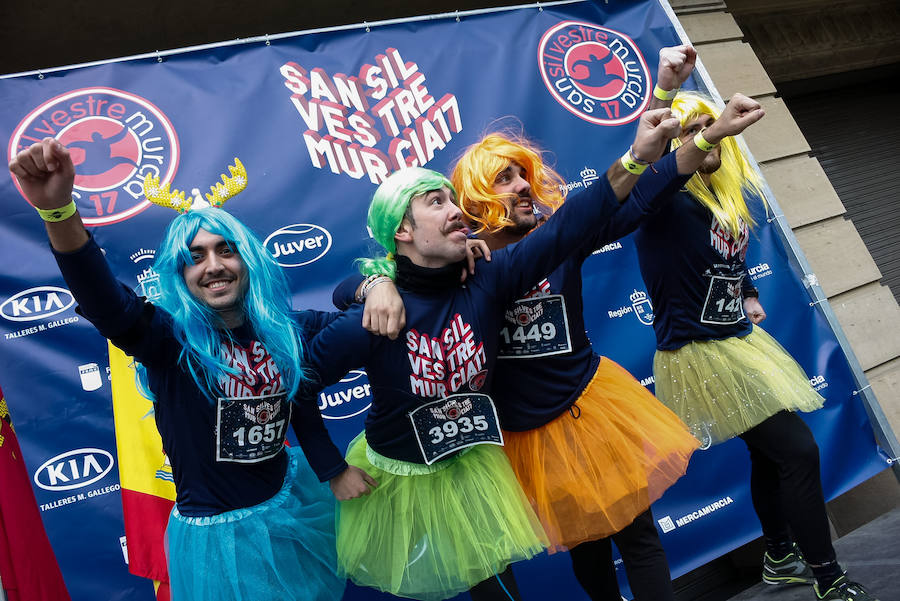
{"x":675,"y":65}
{"x":475,"y":249}
{"x":45,"y":173}
{"x":384,"y":313}
{"x":740,"y":113}
{"x":353,"y":482}
{"x":754,"y":310}
{"x":654,"y":131}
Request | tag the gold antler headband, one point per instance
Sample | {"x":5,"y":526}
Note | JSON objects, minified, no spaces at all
{"x":228,"y":188}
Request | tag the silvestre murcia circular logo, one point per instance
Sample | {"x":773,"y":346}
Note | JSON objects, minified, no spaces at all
{"x":594,"y":72}
{"x":115,"y":138}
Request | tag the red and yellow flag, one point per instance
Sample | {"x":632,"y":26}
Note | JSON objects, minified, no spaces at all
{"x":148,"y":489}
{"x":28,"y":566}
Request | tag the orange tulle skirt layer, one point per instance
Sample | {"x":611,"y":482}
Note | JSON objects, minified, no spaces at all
{"x":595,"y":468}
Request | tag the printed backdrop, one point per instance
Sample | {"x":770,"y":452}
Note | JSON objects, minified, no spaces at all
{"x":318,"y":120}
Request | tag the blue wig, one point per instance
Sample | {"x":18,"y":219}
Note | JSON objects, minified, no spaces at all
{"x":199,"y":329}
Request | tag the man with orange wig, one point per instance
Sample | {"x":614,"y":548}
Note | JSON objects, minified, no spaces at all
{"x":722,"y":373}
{"x":591,"y":447}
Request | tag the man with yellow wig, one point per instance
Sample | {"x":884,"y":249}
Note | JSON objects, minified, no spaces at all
{"x":722,"y":373}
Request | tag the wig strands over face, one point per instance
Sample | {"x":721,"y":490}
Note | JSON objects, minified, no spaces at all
{"x":388,"y":208}
{"x":476,"y":172}
{"x":725,"y":196}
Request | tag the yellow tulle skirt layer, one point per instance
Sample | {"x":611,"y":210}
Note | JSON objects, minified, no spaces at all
{"x":592,"y":470}
{"x":722,"y":388}
{"x":431,"y":532}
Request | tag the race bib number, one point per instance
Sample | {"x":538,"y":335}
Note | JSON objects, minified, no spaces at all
{"x":535,"y":327}
{"x":453,"y":423}
{"x":251,"y":429}
{"x":724,"y":304}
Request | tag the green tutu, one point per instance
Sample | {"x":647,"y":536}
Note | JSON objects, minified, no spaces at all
{"x":722,"y":388}
{"x":433,"y":531}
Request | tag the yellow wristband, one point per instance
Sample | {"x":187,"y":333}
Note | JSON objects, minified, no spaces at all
{"x":59,"y":214}
{"x":701,"y":142}
{"x":630,"y":165}
{"x":658,"y":92}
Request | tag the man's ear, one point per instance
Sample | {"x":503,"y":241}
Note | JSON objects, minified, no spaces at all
{"x":404,"y":232}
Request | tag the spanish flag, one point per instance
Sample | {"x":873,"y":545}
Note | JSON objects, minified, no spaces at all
{"x":148,"y":488}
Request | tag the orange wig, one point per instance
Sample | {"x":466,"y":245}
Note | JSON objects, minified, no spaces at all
{"x":475,"y":173}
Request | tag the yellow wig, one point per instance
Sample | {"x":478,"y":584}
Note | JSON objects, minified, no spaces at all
{"x":475,"y":174}
{"x":725,"y":195}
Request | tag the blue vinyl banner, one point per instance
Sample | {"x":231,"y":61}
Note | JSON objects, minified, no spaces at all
{"x":318,"y":120}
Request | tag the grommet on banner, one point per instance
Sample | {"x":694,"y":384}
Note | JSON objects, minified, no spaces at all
{"x":774,"y":218}
{"x":860,"y":391}
{"x":540,"y":8}
{"x":158,"y":57}
{"x":892,"y":460}
{"x":368,"y":29}
{"x":268,"y":43}
{"x":40,"y":75}
{"x":457,"y":15}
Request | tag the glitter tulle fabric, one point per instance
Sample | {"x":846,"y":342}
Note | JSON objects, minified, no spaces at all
{"x":590,"y":476}
{"x":722,"y":388}
{"x":430,"y":532}
{"x":282,"y":549}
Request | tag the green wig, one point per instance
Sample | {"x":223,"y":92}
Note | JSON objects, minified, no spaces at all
{"x":388,"y":208}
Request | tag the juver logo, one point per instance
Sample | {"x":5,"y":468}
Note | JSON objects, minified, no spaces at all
{"x":37,"y":303}
{"x":115,"y":139}
{"x":298,"y":244}
{"x":594,"y":72}
{"x":74,"y":469}
{"x":348,"y":398}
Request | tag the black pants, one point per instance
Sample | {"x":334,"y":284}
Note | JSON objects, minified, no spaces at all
{"x":786,"y":485}
{"x":491,"y":589}
{"x":644,"y":559}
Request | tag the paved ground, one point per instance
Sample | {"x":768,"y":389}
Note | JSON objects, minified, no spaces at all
{"x":870,"y":554}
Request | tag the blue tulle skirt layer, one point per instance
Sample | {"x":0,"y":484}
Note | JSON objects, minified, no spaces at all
{"x":282,"y":549}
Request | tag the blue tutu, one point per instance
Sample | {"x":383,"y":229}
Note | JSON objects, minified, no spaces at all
{"x":282,"y":549}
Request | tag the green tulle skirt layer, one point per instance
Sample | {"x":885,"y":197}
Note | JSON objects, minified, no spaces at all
{"x":431,"y":532}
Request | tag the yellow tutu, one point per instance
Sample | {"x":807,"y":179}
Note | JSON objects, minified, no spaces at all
{"x":595,"y":468}
{"x":722,"y":388}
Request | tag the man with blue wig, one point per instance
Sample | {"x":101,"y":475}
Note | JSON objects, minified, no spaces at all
{"x":219,"y":353}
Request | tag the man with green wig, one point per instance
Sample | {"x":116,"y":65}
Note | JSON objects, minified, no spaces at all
{"x":429,"y":505}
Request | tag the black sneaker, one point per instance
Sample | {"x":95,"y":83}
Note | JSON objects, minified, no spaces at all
{"x":844,"y":590}
{"x":792,"y":569}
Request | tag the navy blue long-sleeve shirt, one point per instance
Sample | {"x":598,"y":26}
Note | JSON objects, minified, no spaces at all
{"x":452,"y":337}
{"x":695,"y":272}
{"x":224,"y":454}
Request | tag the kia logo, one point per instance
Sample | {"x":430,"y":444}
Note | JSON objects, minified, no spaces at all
{"x":298,"y":244}
{"x":37,"y":303}
{"x":74,"y":469}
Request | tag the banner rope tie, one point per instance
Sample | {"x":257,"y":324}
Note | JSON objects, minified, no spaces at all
{"x":861,"y":390}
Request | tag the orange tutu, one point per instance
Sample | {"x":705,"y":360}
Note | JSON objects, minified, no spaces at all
{"x":589,"y":476}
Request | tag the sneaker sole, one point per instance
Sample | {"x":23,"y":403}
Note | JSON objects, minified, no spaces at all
{"x":775,"y":581}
